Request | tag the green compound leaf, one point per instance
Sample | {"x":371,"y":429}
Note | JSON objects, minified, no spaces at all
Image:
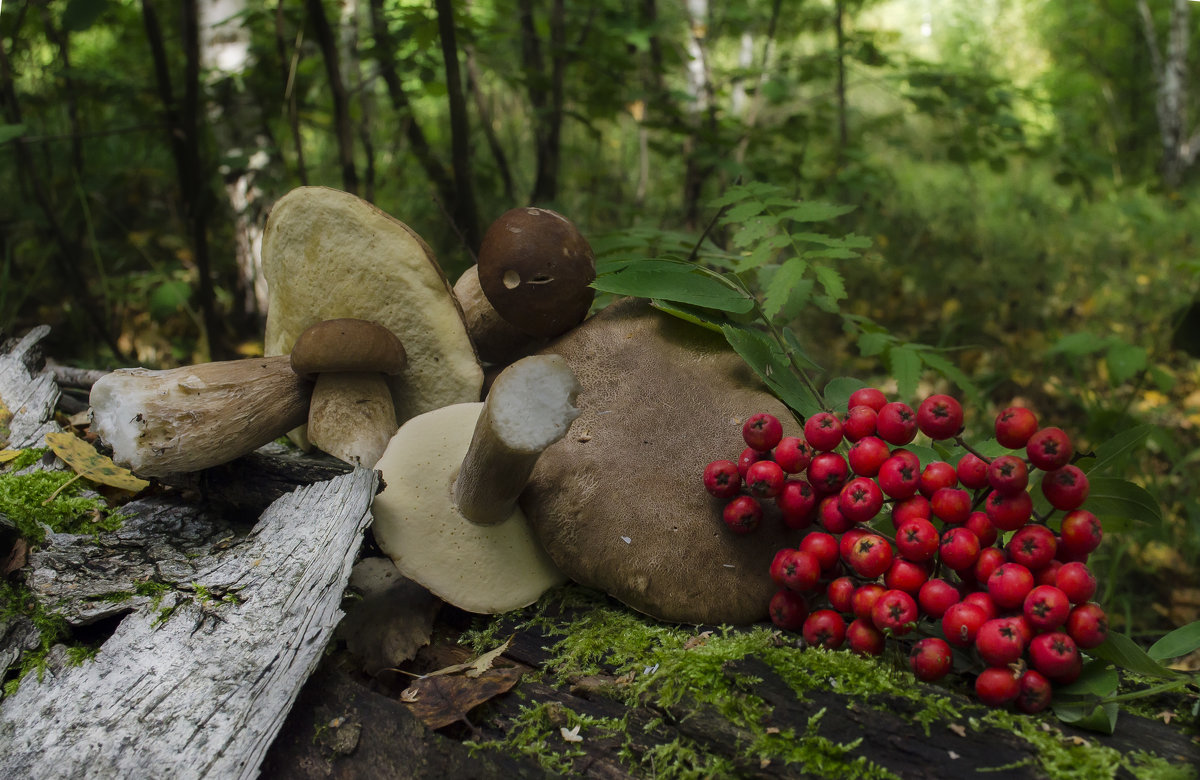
{"x":905,"y":365}
{"x":1122,"y":651}
{"x":1115,"y":449}
{"x":772,"y":366}
{"x":838,"y":391}
{"x":1121,"y":500}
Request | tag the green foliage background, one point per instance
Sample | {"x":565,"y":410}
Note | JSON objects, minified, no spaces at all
{"x":991,"y":221}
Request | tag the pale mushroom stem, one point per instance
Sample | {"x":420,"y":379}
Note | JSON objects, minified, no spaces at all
{"x":191,"y":418}
{"x":529,"y":407}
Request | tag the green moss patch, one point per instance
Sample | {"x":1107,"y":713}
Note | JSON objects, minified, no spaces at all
{"x":53,"y":498}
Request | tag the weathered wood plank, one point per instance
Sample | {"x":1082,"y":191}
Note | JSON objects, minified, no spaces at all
{"x":200,"y":686}
{"x":28,"y":391}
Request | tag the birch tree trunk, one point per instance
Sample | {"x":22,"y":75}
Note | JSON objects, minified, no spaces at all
{"x":1179,"y":149}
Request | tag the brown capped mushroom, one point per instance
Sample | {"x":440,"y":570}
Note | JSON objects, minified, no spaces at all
{"x":536,"y":269}
{"x":328,"y":255}
{"x":618,"y":503}
{"x":352,"y":415}
{"x":497,"y":341}
{"x":191,"y":418}
{"x":448,"y":515}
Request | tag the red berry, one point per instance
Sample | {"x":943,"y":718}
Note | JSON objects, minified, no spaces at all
{"x":895,"y":611}
{"x":824,"y":628}
{"x":1009,"y":584}
{"x":781,"y":564}
{"x":870,"y":556}
{"x":1048,"y":574}
{"x":860,"y":500}
{"x":865,"y":598}
{"x":1014,"y":426}
{"x":1035,"y":692}
{"x":1088,"y":625}
{"x":867,"y":455}
{"x":961,"y":623}
{"x":859,"y":423}
{"x":909,"y":457}
{"x":997,"y":686}
{"x":1065,"y":488}
{"x":788,"y":610}
{"x":1081,"y":532}
{"x":999,"y":643}
{"x":972,"y":471}
{"x":905,"y":575}
{"x":846,"y":543}
{"x":912,"y":508}
{"x":937,"y":596}
{"x":828,"y":472}
{"x":940,"y":417}
{"x":831,"y":518}
{"x":1008,"y":474}
{"x":867,"y":396}
{"x":823,"y":431}
{"x":917,"y":540}
{"x":824,"y":547}
{"x":802,"y":571}
{"x":1046,"y":608}
{"x":951,"y":505}
{"x":1032,"y":546}
{"x":1049,"y":449}
{"x":896,"y":423}
{"x":981,"y":599}
{"x":937,"y":475}
{"x":978,"y":524}
{"x":863,"y":638}
{"x":1054,"y":654}
{"x":841,"y":594}
{"x":1008,"y":513}
{"x":748,"y":458}
{"x":765,"y":479}
{"x":762,"y":431}
{"x":742,"y":515}
{"x":793,"y":454}
{"x":959,"y":548}
{"x":990,"y":559}
{"x":930,"y":659}
{"x":721,"y":479}
{"x":1077,"y":581}
{"x":797,"y":502}
{"x":898,"y":478}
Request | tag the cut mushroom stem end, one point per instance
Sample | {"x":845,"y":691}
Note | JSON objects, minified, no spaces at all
{"x":529,"y":407}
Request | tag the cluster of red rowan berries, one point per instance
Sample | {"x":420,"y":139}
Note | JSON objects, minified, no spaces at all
{"x":970,"y":564}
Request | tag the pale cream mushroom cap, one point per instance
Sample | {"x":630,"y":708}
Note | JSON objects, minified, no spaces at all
{"x":478,"y":568}
{"x":328,"y":255}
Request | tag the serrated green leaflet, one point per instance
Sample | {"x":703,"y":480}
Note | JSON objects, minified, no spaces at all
{"x":1113,"y":450}
{"x":1124,"y":652}
{"x":905,"y":365}
{"x":839,"y":390}
{"x":773,"y":367}
{"x":675,"y":281}
{"x":1121,"y":499}
{"x":1179,"y":642}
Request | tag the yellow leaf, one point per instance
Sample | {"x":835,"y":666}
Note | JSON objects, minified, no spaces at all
{"x":87,"y":463}
{"x":7,"y":455}
{"x":5,"y":418}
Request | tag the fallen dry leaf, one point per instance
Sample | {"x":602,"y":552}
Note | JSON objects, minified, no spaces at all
{"x":572,"y":734}
{"x":697,"y":641}
{"x":444,"y":699}
{"x":7,"y":455}
{"x":476,"y":667}
{"x":1166,"y":716}
{"x":1079,"y":741}
{"x":957,"y":729}
{"x":86,"y":462}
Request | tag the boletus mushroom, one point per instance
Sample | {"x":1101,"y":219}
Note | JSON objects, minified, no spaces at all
{"x":330,"y":255}
{"x":351,"y":416}
{"x":193,"y":417}
{"x":618,"y":503}
{"x":536,"y":270}
{"x":448,"y":515}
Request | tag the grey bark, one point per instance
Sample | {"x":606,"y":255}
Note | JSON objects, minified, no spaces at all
{"x":200,"y":686}
{"x":28,"y":390}
{"x":1179,"y":150}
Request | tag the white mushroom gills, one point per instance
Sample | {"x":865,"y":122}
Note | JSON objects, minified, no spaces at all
{"x":529,"y":407}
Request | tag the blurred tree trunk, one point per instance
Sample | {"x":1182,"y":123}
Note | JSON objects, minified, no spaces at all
{"x":466,"y":214}
{"x":337,"y":88}
{"x":475,"y":86}
{"x":183,"y":130}
{"x":545,"y":90}
{"x":699,"y":147}
{"x":1179,"y":150}
{"x":843,"y":137}
{"x":288,"y":63}
{"x":349,"y":26}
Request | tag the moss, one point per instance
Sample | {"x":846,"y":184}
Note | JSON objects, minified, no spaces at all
{"x":536,"y":733}
{"x":52,"y":498}
{"x":17,"y":602}
{"x":819,"y":755}
{"x":27,"y":458}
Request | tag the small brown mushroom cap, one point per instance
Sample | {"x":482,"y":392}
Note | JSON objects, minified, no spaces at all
{"x":619,"y":503}
{"x":536,"y":269}
{"x":347,"y":344}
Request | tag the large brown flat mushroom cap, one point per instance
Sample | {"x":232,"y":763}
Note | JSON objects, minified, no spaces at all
{"x":619,"y":502}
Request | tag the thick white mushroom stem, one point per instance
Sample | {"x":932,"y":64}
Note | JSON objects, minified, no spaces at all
{"x":191,"y":418}
{"x":352,"y":416}
{"x":529,"y":407}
